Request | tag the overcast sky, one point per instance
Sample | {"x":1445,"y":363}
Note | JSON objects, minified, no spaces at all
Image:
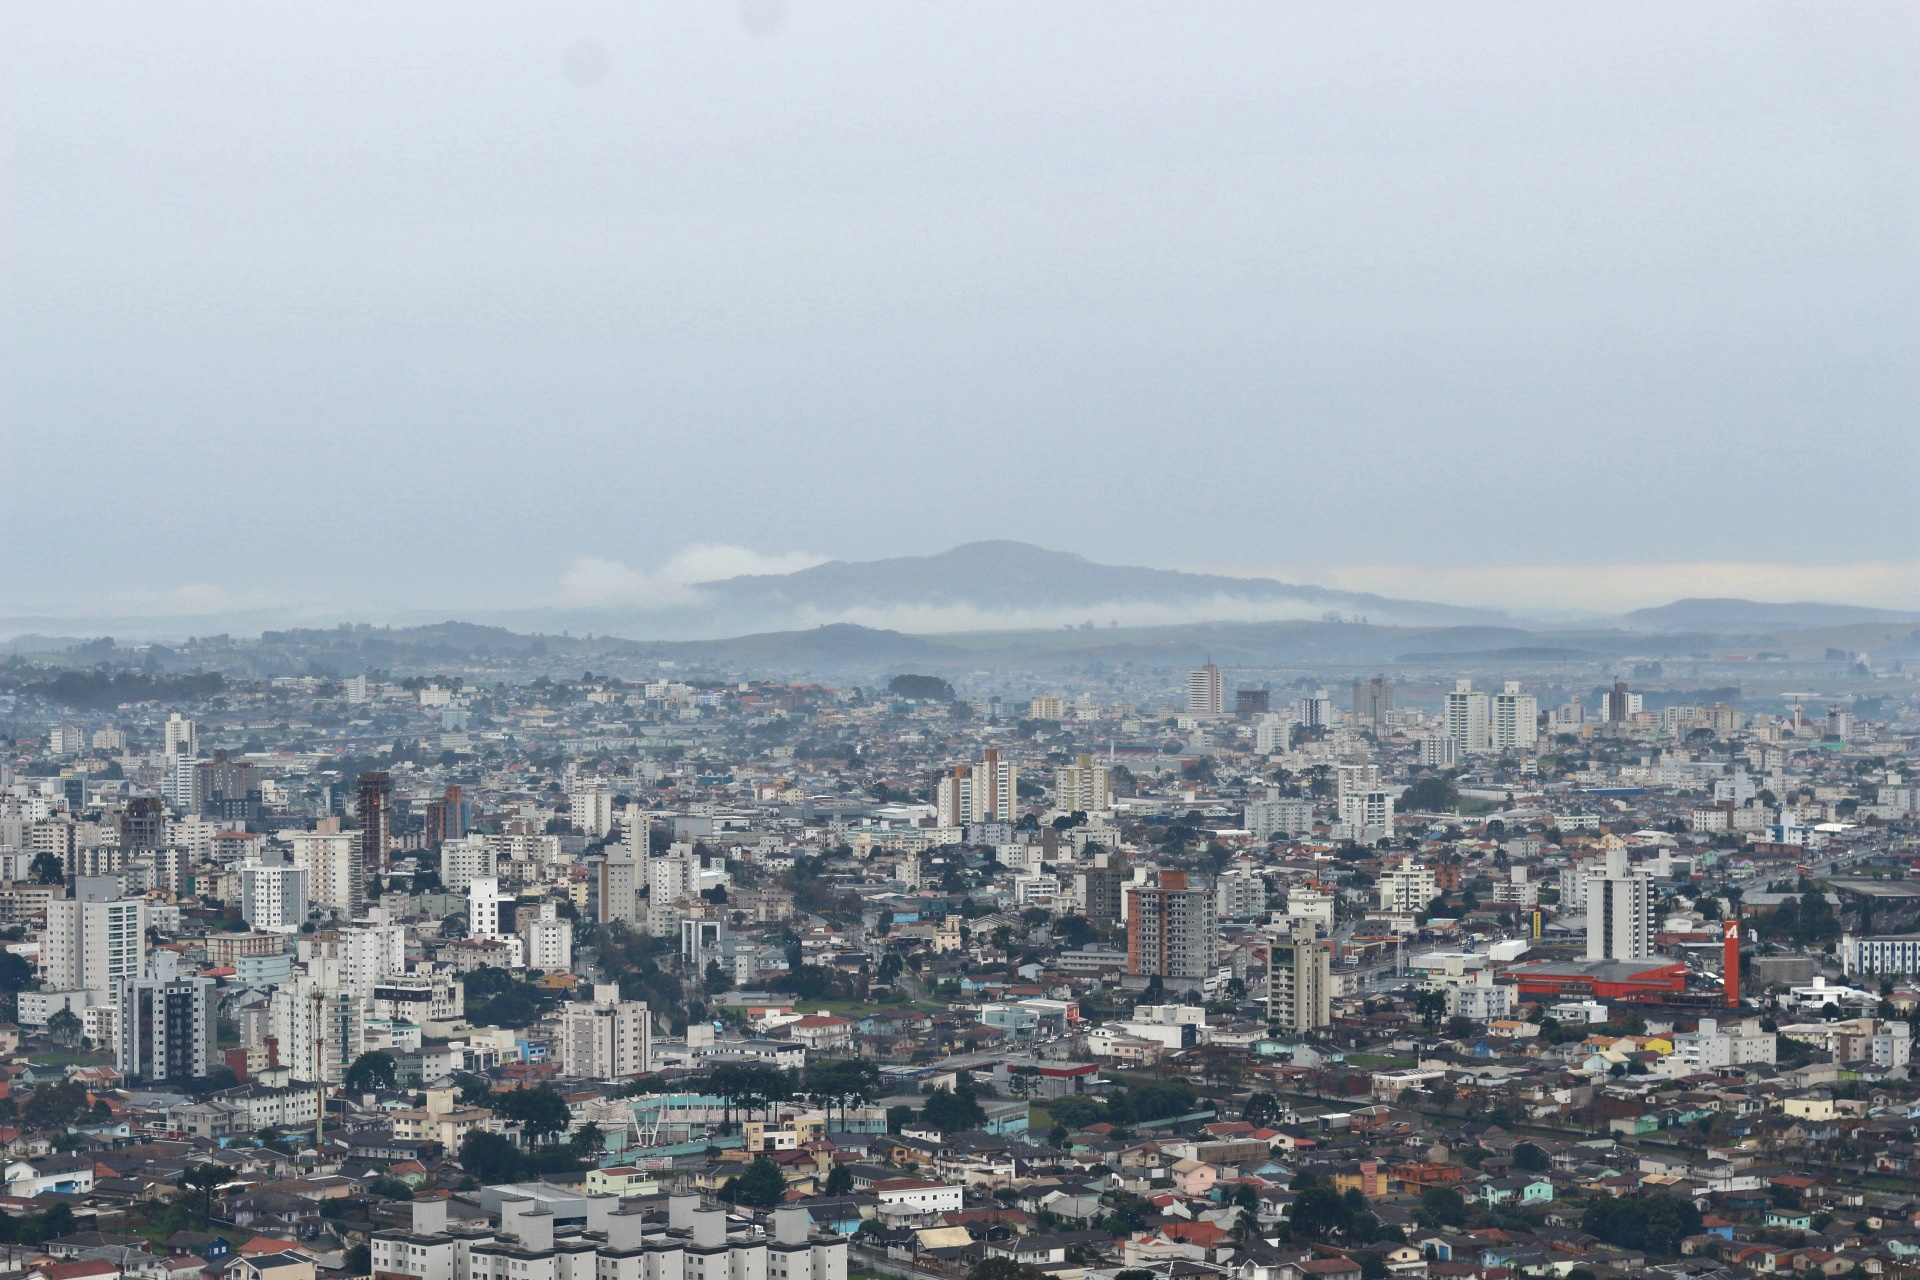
{"x":356,"y":308}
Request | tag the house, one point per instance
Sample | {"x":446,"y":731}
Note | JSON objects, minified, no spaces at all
{"x":29,"y":1178}
{"x":1322,"y":1269}
{"x":1194,"y":1177}
{"x":272,"y":1266}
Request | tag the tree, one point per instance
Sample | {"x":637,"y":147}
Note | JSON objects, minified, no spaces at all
{"x":840,"y":1181}
{"x":920,"y":688}
{"x":1432,"y":794}
{"x":54,"y":1105}
{"x":1373,"y":1267}
{"x":46,"y":868}
{"x":952,"y":1110}
{"x":760,"y":1187}
{"x":1261,"y":1110}
{"x":1656,"y":1223}
{"x":359,"y":1260}
{"x":1444,"y":1206}
{"x":371,"y":1072}
{"x":1430,"y":1007}
{"x":542,"y":1112}
{"x":64,"y":1026}
{"x":1529,"y":1157}
{"x":206,"y":1179}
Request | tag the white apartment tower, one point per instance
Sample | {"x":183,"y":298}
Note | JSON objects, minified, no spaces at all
{"x":1206,"y":692}
{"x":273,"y":895}
{"x":328,"y":858}
{"x":95,"y":938}
{"x":1408,"y":887}
{"x":548,"y":940}
{"x":985,"y":792}
{"x":1467,"y":718}
{"x":1515,"y":722}
{"x":180,"y":739}
{"x":606,"y":1038}
{"x":1619,"y":910}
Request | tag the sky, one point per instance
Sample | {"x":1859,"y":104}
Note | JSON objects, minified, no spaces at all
{"x":360,"y":310}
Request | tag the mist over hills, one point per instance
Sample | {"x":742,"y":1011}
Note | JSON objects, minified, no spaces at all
{"x":1017,"y":579}
{"x":996,"y":603}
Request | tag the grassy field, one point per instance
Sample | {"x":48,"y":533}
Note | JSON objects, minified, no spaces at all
{"x":70,"y":1058}
{"x":1376,"y":1060}
{"x":1038,"y":1119}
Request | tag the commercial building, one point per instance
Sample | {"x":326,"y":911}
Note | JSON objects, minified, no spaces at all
{"x":1627,"y":980}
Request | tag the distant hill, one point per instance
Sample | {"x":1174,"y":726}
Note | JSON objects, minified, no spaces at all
{"x":1729,"y":615}
{"x":1017,"y":578}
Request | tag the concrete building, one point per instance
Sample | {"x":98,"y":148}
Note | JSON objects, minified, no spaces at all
{"x":606,"y":1038}
{"x":1619,"y":909}
{"x":328,"y":858}
{"x":1171,"y":932}
{"x":95,"y":938}
{"x":1206,"y":692}
{"x":164,"y":1029}
{"x":547,"y":940}
{"x":1515,"y":720}
{"x":273,"y":894}
{"x":1081,"y":787}
{"x":1299,"y":981}
{"x":1408,"y":887}
{"x":1467,"y":719}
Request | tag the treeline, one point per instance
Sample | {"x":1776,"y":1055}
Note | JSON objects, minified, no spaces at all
{"x":100,"y":690}
{"x":1075,"y":1111}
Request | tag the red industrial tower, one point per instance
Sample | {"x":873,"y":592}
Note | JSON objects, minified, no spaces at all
{"x":1730,"y":963}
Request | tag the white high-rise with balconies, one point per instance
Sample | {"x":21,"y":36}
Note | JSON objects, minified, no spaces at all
{"x":1515,"y":720}
{"x":1468,"y":717}
{"x":1619,"y":910}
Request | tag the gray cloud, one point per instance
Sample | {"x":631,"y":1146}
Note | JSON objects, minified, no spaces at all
{"x":413,"y":309}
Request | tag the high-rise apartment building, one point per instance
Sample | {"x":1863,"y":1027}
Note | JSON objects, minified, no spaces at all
{"x":1372,"y":700}
{"x":1619,"y":909}
{"x":1367,"y":815}
{"x":590,"y":806}
{"x":1248,"y":703}
{"x":1046,"y":707}
{"x":1407,"y":887}
{"x":1622,"y":703}
{"x":95,"y":938}
{"x":1097,"y":887}
{"x":1279,"y":815}
{"x":613,"y":887}
{"x":1299,"y":981}
{"x":1081,"y":787}
{"x":1240,"y":893}
{"x":143,"y":824}
{"x":329,"y":859}
{"x":484,"y":903}
{"x":273,"y":894}
{"x":164,"y":1029}
{"x":1206,"y":692}
{"x":1171,"y":931}
{"x":318,"y":1029}
{"x":985,"y":792}
{"x":1515,"y":720}
{"x":179,"y":736}
{"x":606,"y":1038}
{"x":547,"y":940}
{"x":1467,"y":717}
{"x":375,"y":813}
